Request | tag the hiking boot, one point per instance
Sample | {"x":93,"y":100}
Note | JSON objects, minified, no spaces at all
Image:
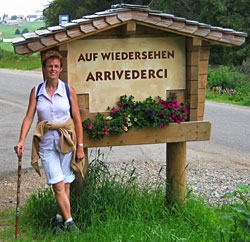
{"x":58,"y":228}
{"x":71,"y":227}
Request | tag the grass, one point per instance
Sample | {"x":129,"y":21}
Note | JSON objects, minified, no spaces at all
{"x":116,"y":208}
{"x":8,"y":32}
{"x":13,"y":61}
{"x":225,"y":98}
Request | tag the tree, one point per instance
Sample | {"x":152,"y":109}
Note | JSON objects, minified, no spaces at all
{"x":78,"y":8}
{"x":14,"y":17}
{"x":17,"y":31}
{"x":222,"y":13}
{"x":25,"y":31}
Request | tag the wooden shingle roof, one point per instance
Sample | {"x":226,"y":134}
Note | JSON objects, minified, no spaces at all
{"x":118,"y":15}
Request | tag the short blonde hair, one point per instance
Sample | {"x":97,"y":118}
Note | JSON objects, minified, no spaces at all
{"x":51,"y":54}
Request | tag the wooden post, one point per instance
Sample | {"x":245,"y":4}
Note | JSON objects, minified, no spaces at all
{"x":176,"y":172}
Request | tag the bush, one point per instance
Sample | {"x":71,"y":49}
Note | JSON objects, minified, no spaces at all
{"x":230,"y":85}
{"x":225,"y":78}
{"x":17,"y":31}
{"x":245,"y":69}
{"x":25,"y":31}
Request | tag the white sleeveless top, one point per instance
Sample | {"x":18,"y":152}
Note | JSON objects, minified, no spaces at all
{"x":55,"y":110}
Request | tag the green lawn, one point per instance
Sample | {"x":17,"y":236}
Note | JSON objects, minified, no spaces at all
{"x":8,"y":32}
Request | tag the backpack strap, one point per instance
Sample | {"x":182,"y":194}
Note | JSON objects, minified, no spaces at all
{"x":67,"y":92}
{"x":38,"y":89}
{"x":68,"y":95}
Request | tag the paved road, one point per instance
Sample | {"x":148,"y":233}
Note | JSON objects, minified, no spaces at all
{"x":229,"y":139}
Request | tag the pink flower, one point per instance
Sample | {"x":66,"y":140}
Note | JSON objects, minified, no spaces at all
{"x":176,"y":107}
{"x":185,"y":110}
{"x":106,"y":122}
{"x":162,"y":125}
{"x":90,"y":126}
{"x":178,"y":121}
{"x":170,"y":105}
{"x":180,"y":117}
{"x":105,"y":131}
{"x":114,"y":110}
{"x":118,"y":104}
{"x":174,"y":101}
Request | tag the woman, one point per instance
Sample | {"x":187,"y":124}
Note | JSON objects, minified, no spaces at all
{"x":52,"y":104}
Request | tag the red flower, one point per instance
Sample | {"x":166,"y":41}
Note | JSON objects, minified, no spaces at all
{"x":118,"y":104}
{"x":105,"y":131}
{"x":114,"y":110}
{"x":90,"y":126}
{"x":124,"y":128}
{"x":162,"y":125}
{"x":106,"y":122}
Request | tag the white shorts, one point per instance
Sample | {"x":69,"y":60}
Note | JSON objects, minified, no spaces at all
{"x":57,"y":166}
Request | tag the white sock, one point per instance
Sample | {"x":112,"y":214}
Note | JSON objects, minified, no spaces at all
{"x":59,"y":217}
{"x":69,"y":220}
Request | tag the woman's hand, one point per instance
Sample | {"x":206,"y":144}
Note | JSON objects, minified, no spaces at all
{"x":19,"y":148}
{"x":79,"y":153}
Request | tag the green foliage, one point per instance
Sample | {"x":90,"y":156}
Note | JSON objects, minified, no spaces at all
{"x":239,"y":214}
{"x":222,"y":13}
{"x":224,"y":77}
{"x":229,"y":84}
{"x":25,"y":31}
{"x":115,"y":208}
{"x":8,"y":32}
{"x":150,"y":113}
{"x":22,"y":62}
{"x":14,"y":17}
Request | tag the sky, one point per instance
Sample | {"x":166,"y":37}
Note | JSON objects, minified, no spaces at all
{"x":24,"y":7}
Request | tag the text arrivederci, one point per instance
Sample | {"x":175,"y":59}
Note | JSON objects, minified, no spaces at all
{"x":123,"y":56}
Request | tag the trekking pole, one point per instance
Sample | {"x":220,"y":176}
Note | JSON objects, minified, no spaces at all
{"x":18,"y":192}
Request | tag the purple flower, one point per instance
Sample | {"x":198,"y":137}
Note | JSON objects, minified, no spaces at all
{"x":150,"y":112}
{"x":125,"y":106}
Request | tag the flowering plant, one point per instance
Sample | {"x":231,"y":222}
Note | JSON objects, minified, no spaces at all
{"x":128,"y":113}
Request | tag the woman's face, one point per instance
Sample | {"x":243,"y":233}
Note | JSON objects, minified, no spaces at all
{"x":53,"y":69}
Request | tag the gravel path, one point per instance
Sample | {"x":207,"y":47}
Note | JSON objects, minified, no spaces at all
{"x":208,"y":176}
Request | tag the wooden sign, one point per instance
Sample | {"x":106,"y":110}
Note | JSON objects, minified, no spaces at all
{"x":108,"y":68}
